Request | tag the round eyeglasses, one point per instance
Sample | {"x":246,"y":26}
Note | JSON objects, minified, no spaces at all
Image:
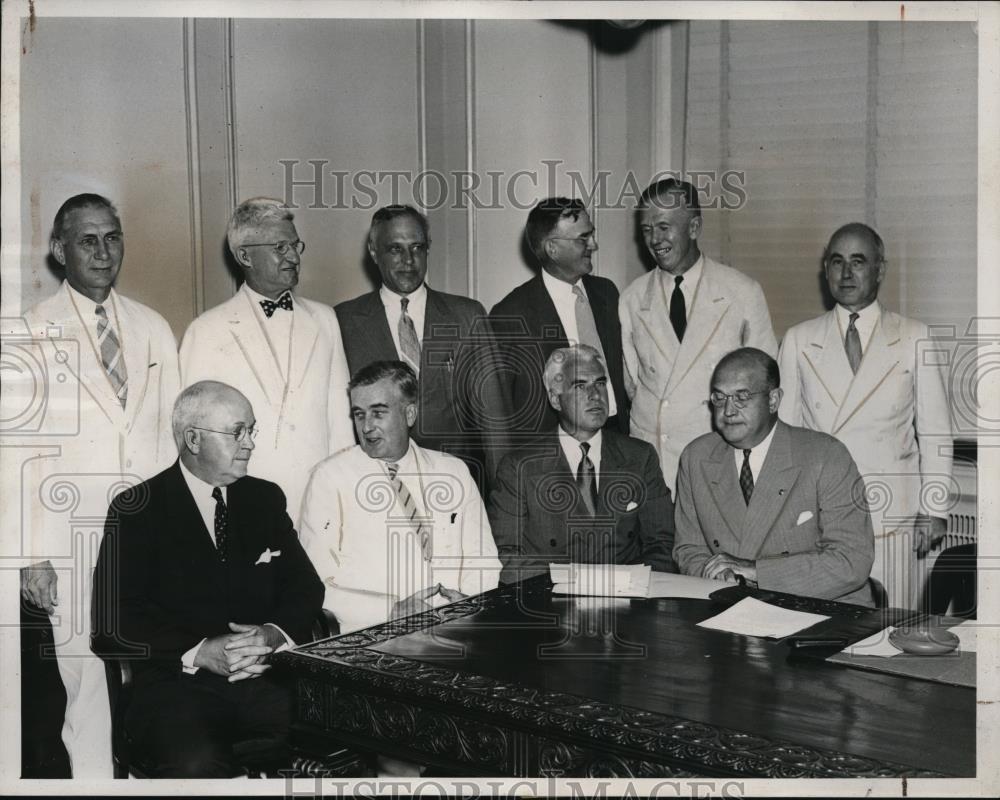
{"x":240,"y":433}
{"x":740,"y":398}
{"x":281,"y":248}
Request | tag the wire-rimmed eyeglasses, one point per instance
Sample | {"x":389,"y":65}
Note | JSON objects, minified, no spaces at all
{"x":281,"y":248}
{"x":240,"y":434}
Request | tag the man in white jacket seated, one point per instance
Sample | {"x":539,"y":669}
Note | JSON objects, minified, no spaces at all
{"x":393,"y":528}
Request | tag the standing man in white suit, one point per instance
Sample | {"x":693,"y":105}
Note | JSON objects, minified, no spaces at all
{"x":113,"y":378}
{"x":858,"y":373}
{"x":679,"y":320}
{"x":281,"y":350}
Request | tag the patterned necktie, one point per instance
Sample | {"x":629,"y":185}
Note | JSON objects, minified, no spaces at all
{"x":586,"y":326}
{"x":678,"y":309}
{"x":746,"y":478}
{"x":221,"y":522}
{"x":284,"y":301}
{"x":409,"y":508}
{"x":111,"y":356}
{"x":586,"y":480}
{"x":852,"y":344}
{"x":409,"y":344}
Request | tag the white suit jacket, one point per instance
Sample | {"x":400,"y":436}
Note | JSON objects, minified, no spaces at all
{"x":893,"y":415}
{"x":668,"y":381}
{"x":302,"y":416}
{"x":88,"y":448}
{"x":369,"y":556}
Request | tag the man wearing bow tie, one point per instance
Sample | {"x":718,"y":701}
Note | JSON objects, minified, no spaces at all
{"x":445,"y":338}
{"x":281,"y":350}
{"x":581,"y":494}
{"x":782,"y":507}
{"x":110,"y":380}
{"x":679,"y":320}
{"x":871,"y":378}
{"x":392,"y":527}
{"x":201,"y":577}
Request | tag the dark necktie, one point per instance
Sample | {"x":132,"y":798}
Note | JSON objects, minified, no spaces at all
{"x":284,"y":301}
{"x":409,"y":344}
{"x":678,"y":309}
{"x":111,"y":355}
{"x":746,"y":478}
{"x":852,"y":344}
{"x":221,"y":522}
{"x":586,"y":480}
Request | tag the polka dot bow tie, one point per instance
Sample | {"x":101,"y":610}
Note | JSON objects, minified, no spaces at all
{"x":285,"y":302}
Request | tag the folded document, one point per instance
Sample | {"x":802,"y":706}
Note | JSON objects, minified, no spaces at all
{"x":638,"y":580}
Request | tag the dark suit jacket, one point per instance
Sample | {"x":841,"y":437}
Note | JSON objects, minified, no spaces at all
{"x":526,"y":321}
{"x":807,"y":525}
{"x":537,"y":515}
{"x":462,"y":408}
{"x":160,"y":586}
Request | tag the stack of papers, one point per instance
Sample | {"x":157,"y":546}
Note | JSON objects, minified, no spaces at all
{"x":752,"y":617}
{"x":601,"y":580}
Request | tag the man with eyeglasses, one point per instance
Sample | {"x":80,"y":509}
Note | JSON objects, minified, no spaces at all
{"x":200,"y":578}
{"x":283,"y":351}
{"x":679,"y":320}
{"x":101,"y":407}
{"x":563,"y":304}
{"x":871,"y":378}
{"x":445,"y":338}
{"x":779,"y":507}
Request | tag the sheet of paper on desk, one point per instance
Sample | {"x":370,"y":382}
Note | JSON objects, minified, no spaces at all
{"x":751,"y":617}
{"x":877,"y":644}
{"x":667,"y":584}
{"x":602,"y":580}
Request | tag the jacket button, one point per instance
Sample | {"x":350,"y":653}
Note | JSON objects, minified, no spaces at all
{"x":715,"y":542}
{"x":552,"y":542}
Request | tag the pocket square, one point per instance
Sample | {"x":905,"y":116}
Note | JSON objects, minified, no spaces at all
{"x":632,"y":506}
{"x":266,"y":556}
{"x":805,"y":516}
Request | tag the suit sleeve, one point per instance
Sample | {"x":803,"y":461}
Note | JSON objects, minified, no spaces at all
{"x":759,"y":332}
{"x":508,"y":514}
{"x":932,"y":419}
{"x":480,"y":569}
{"x":630,"y":357}
{"x":842,"y":559}
{"x":170,"y":387}
{"x":490,"y":394}
{"x":657,"y":517}
{"x":338,"y":405}
{"x":126,"y":622}
{"x":788,"y":367}
{"x":690,"y":550}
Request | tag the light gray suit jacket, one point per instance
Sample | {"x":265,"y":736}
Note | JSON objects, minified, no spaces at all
{"x":807,"y":525}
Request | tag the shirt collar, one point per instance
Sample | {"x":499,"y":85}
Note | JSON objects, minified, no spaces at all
{"x":196,"y":485}
{"x":866,"y":316}
{"x":418,"y":297}
{"x":258,"y":298}
{"x":407,"y":462}
{"x":85,"y":305}
{"x":554,"y":286}
{"x":570,"y":444}
{"x":691,"y":277}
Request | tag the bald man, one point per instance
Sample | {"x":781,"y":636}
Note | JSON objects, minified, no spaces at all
{"x":864,"y":374}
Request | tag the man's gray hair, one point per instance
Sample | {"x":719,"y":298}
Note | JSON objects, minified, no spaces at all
{"x":191,"y":405}
{"x":559,"y":360}
{"x":251,"y":214}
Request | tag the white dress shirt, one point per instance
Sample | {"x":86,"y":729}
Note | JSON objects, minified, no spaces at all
{"x":688,"y":286}
{"x":574,"y":454}
{"x":278,"y":326}
{"x":87,"y":310}
{"x":757,"y":455}
{"x":394,"y":310}
{"x":868,"y":318}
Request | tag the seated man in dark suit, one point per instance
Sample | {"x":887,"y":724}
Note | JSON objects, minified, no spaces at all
{"x":200,"y":577}
{"x":781,"y":506}
{"x":562,"y":305}
{"x":581,"y":494}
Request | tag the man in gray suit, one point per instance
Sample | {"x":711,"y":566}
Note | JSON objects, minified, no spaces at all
{"x":781,"y":506}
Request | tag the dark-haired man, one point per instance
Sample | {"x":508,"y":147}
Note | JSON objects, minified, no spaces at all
{"x":444,"y":338}
{"x":564,"y":304}
{"x":111,"y":367}
{"x":864,"y":374}
{"x":782,"y":507}
{"x":393,"y":527}
{"x":679,"y":320}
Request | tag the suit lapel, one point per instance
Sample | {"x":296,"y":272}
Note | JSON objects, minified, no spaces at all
{"x":602,"y":315}
{"x":138,"y":354}
{"x":305,"y":336}
{"x":710,"y":305}
{"x":189,"y":526}
{"x":771,"y":490}
{"x":543,"y":314}
{"x":827,"y":360}
{"x":881,"y":358}
{"x":654,"y":318}
{"x":373,"y":321}
{"x":719,"y":472}
{"x":256,"y":348}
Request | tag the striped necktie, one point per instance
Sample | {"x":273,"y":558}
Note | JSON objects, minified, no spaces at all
{"x":111,"y":356}
{"x":409,"y":508}
{"x":409,"y":344}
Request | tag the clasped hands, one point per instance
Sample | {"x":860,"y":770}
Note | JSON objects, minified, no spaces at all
{"x":724,"y":567}
{"x":417,"y":601}
{"x":241,"y":654}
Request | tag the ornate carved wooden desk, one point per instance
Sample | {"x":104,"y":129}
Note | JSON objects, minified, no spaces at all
{"x":520,"y":682}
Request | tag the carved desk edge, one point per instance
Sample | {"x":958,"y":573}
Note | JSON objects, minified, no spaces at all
{"x":379,"y":696}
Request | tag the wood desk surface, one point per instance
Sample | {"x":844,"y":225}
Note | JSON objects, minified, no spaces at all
{"x":521,"y":682}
